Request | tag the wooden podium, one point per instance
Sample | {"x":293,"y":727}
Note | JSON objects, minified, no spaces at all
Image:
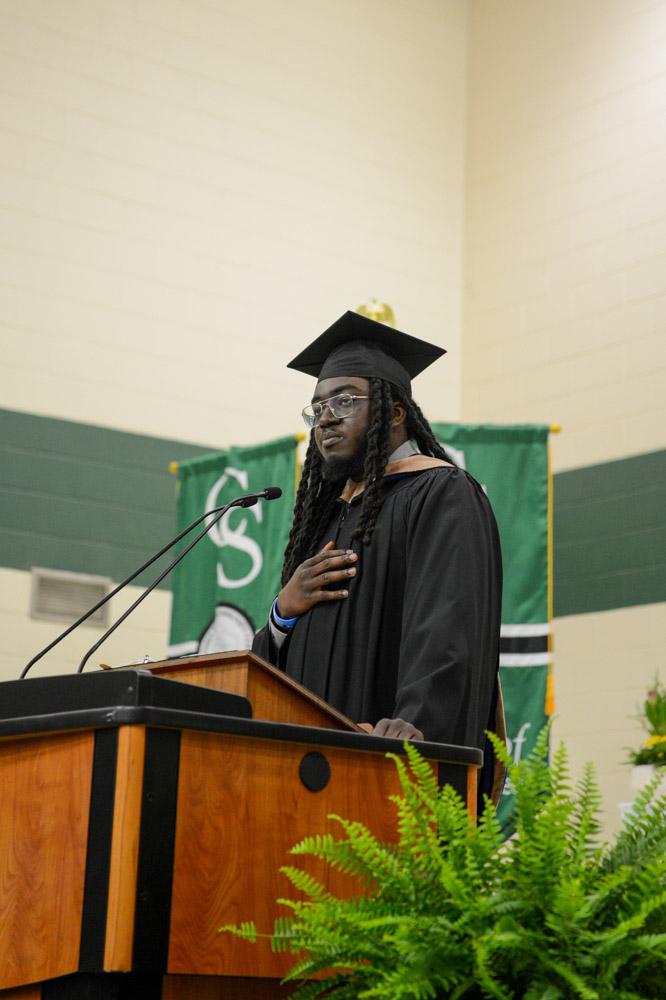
{"x":139,"y":813}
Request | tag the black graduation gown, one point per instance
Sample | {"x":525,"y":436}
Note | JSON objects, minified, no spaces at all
{"x":418,"y":635}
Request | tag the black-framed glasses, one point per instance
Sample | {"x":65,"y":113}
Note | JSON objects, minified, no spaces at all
{"x":340,"y":406}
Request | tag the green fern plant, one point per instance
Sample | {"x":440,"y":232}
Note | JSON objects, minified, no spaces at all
{"x":452,"y":912}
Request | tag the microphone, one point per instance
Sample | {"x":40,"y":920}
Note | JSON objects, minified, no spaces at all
{"x":270,"y":493}
{"x":249,"y":500}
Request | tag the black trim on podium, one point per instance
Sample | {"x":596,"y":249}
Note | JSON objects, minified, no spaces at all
{"x":157,"y":836}
{"x":105,"y":986}
{"x":456,"y":776}
{"x":152,"y":917}
{"x":111,"y":698}
{"x":98,"y":857}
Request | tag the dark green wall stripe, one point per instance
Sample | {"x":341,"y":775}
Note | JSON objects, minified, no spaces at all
{"x":96,"y":500}
{"x":84,"y":498}
{"x":609,"y":529}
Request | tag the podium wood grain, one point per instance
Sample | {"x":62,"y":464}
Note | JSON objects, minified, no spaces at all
{"x":240,"y":801}
{"x":274,"y":696}
{"x":124,"y":848}
{"x":45,"y":789}
{"x":74,"y":856}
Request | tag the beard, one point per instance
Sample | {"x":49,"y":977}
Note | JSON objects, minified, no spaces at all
{"x":334,"y":469}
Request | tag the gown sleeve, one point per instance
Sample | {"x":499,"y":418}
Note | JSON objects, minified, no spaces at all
{"x":263,"y":645}
{"x":449,"y":647}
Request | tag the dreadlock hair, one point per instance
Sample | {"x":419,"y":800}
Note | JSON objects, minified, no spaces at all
{"x":316,"y":497}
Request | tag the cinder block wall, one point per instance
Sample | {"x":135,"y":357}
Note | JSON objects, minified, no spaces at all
{"x":565,"y":302}
{"x":189,"y":192}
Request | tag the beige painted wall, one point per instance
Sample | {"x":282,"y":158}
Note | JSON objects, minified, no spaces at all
{"x":605,"y":664}
{"x":189,"y":192}
{"x":565,"y":301}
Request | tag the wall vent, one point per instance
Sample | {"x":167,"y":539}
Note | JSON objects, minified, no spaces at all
{"x":63,"y":597}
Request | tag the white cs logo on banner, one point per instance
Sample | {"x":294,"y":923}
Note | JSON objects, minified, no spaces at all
{"x":222,"y":535}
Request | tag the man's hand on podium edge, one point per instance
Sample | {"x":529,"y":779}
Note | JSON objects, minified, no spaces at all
{"x":397,"y":728}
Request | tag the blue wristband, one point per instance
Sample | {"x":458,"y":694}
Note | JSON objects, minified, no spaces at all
{"x":284,"y":622}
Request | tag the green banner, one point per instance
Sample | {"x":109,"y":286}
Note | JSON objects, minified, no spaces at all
{"x":511,"y":462}
{"x":223,"y":588}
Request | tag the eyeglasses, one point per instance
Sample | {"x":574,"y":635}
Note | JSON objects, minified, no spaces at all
{"x":340,"y":406}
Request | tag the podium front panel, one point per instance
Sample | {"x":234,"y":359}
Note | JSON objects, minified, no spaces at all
{"x":140,"y":814}
{"x":45,"y":787}
{"x":242,"y":805}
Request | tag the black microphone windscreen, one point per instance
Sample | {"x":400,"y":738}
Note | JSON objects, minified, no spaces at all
{"x":272,"y":493}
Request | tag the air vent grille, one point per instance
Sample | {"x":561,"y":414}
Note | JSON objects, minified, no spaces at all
{"x":63,"y":597}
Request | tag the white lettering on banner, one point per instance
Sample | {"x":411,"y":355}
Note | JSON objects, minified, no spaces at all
{"x":457,"y":456}
{"x":222,"y":534}
{"x":515,"y":748}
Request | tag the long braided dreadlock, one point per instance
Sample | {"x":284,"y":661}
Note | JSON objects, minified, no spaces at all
{"x":316,"y":497}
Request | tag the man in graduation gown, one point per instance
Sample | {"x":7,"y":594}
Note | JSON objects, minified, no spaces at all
{"x":391,"y":586}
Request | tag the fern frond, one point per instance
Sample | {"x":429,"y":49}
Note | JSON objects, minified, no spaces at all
{"x":559,"y":968}
{"x":585,"y":824}
{"x":452,"y":911}
{"x":540,"y":992}
{"x":319,"y":845}
{"x":305,"y":882}
{"x":247,"y":931}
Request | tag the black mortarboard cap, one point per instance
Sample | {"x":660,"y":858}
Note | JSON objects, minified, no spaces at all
{"x":360,"y":347}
